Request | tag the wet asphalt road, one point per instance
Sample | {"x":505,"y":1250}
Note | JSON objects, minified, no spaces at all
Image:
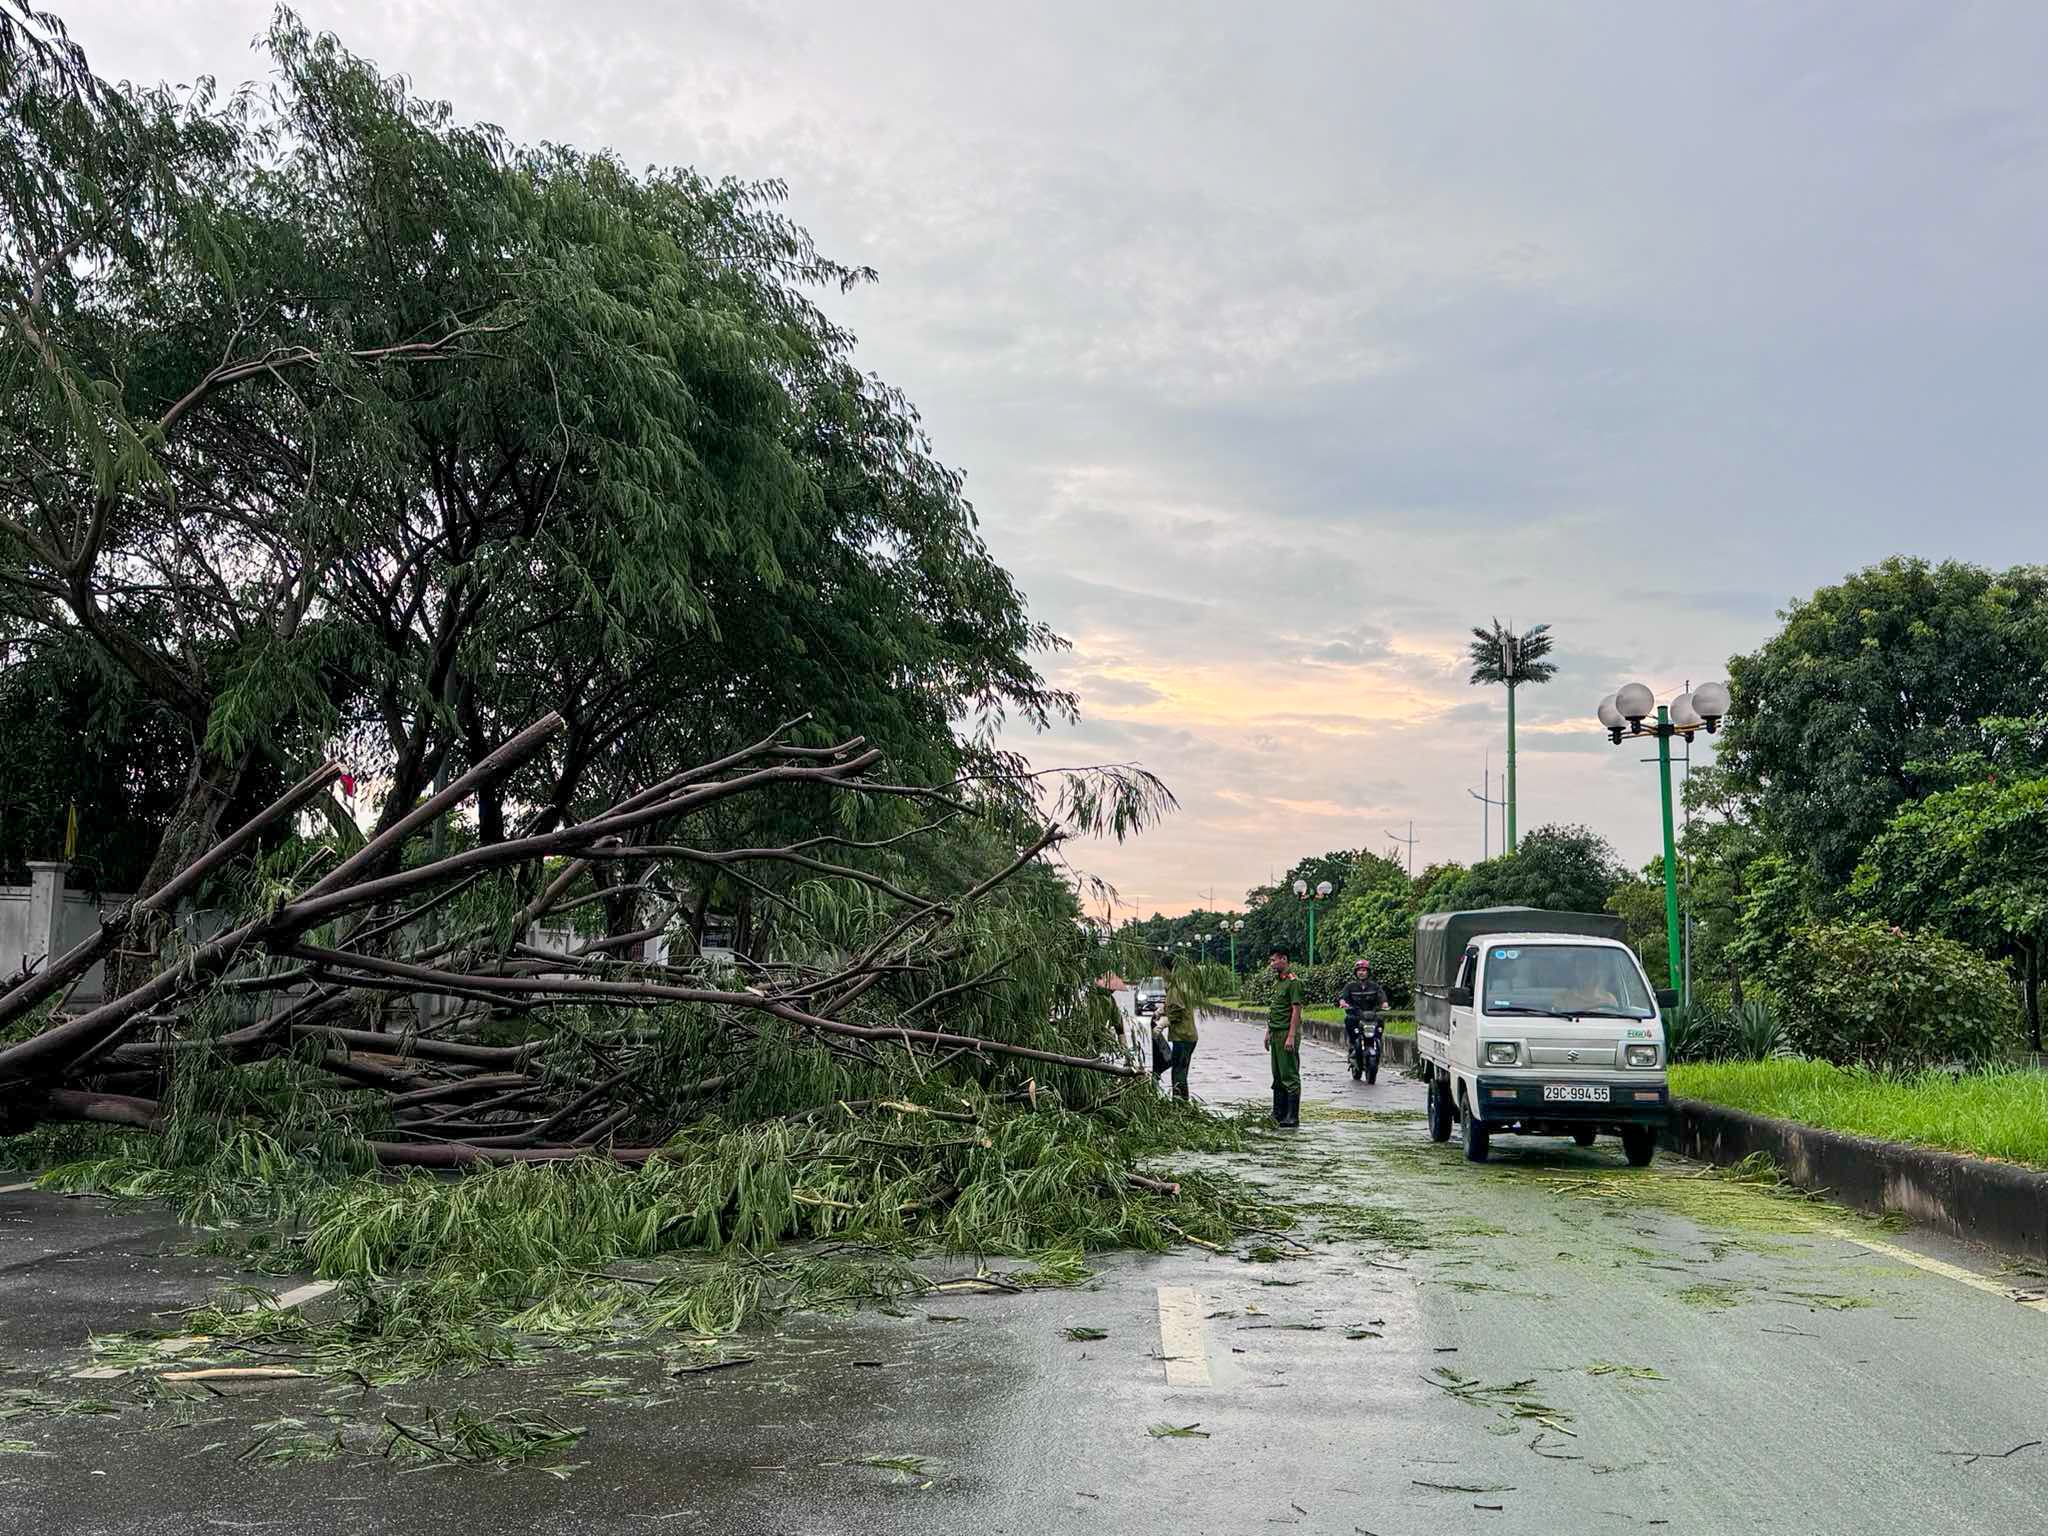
{"x":1549,"y":1343}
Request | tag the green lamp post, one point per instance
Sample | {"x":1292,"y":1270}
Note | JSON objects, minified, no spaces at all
{"x":1322,"y":893}
{"x":1626,"y":714}
{"x":1235,"y":927}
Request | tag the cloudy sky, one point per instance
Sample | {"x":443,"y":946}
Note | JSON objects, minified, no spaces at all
{"x":1280,"y":344}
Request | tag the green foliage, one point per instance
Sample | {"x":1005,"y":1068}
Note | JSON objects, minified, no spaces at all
{"x":1705,"y":1031}
{"x":731,"y":1225}
{"x":1320,"y":982}
{"x":1555,"y":868}
{"x":1638,"y":900}
{"x":1773,"y":911}
{"x":2001,"y":1114}
{"x":1695,"y":1031}
{"x":1970,"y":862}
{"x":1377,"y":923}
{"x":1719,"y":844}
{"x":72,"y":734}
{"x":1867,"y":995}
{"x":1894,"y":668}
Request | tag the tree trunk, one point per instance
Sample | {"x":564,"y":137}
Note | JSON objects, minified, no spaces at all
{"x":622,"y":907}
{"x":743,"y":925}
{"x":193,"y":829}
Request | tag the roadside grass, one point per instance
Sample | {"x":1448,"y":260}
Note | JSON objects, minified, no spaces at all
{"x":1997,"y":1114}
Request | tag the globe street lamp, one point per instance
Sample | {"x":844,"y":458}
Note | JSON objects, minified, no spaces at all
{"x":1625,"y":714}
{"x":1235,"y":926}
{"x":1323,"y":889}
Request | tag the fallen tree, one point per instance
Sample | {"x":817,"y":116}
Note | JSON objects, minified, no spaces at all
{"x":411,"y":988}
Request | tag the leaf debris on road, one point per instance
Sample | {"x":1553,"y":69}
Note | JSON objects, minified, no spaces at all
{"x":1178,"y":1432}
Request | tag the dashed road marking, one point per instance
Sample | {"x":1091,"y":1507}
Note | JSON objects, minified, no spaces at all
{"x":1947,"y":1271}
{"x":1182,"y":1344}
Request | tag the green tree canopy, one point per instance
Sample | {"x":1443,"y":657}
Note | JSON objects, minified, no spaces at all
{"x":333,"y":424}
{"x":1556,"y":868}
{"x":1897,"y":667}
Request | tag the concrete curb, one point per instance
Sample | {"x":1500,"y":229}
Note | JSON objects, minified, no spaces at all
{"x":1395,"y":1050}
{"x":2001,"y":1205}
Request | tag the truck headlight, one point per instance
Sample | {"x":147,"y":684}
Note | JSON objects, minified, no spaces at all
{"x":1502,"y":1053}
{"x":1642,"y":1055}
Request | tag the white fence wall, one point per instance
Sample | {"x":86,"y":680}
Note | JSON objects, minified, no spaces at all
{"x":14,"y":906}
{"x":46,"y":918}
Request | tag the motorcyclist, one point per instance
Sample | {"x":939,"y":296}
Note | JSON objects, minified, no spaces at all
{"x":1361,"y":997}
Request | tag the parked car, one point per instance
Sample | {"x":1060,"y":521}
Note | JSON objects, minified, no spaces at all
{"x":1151,"y":996}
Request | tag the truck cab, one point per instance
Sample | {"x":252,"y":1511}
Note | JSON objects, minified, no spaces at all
{"x":1536,"y":1023}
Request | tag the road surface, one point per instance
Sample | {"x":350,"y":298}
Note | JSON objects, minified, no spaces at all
{"x":1551,"y":1343}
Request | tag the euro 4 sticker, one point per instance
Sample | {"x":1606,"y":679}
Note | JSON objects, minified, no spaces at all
{"x":1639,"y":1034}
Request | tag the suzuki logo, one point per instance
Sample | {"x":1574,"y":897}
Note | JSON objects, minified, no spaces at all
{"x":1571,"y":1055}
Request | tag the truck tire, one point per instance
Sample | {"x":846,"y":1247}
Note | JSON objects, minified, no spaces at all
{"x":1478,"y":1140}
{"x":1584,"y":1135}
{"x":1639,"y":1142}
{"x":1439,"y":1110}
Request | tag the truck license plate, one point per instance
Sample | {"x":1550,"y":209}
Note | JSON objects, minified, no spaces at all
{"x":1582,"y":1093}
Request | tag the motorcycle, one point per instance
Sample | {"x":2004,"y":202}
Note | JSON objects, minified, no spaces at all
{"x":1363,"y":1034}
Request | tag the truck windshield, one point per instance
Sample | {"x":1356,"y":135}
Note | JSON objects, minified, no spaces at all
{"x":1565,"y":981}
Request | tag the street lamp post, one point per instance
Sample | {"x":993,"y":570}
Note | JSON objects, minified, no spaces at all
{"x":1235,"y":927}
{"x":1322,"y":893}
{"x":1625,"y":714}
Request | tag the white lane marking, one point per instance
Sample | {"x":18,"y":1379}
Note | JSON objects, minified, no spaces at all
{"x":1181,"y":1341}
{"x":1947,"y":1271}
{"x":297,"y":1296}
{"x":14,"y":1189}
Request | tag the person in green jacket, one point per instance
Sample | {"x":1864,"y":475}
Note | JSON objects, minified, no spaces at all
{"x":1183,"y":1002}
{"x":1283,"y":1040}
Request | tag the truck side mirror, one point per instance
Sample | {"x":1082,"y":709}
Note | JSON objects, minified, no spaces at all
{"x":1461,"y":997}
{"x":1667,"y":997}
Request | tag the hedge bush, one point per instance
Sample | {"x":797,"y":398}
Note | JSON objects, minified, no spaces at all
{"x":1320,"y":982}
{"x":1864,"y":994}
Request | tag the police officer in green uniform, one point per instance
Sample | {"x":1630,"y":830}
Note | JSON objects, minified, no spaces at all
{"x":1182,"y":1001}
{"x":1283,"y":1041}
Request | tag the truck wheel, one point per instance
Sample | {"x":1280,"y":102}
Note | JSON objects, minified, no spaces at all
{"x":1584,"y":1135}
{"x":1477,"y":1138}
{"x":1640,"y":1143}
{"x":1439,"y":1111}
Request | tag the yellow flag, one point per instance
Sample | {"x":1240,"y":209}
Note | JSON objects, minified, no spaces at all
{"x":71,"y":834}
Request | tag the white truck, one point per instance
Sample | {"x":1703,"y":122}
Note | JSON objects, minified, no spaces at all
{"x":1536,"y":1023}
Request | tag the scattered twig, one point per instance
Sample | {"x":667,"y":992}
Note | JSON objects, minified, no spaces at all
{"x":716,"y":1365}
{"x":1970,"y":1458}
